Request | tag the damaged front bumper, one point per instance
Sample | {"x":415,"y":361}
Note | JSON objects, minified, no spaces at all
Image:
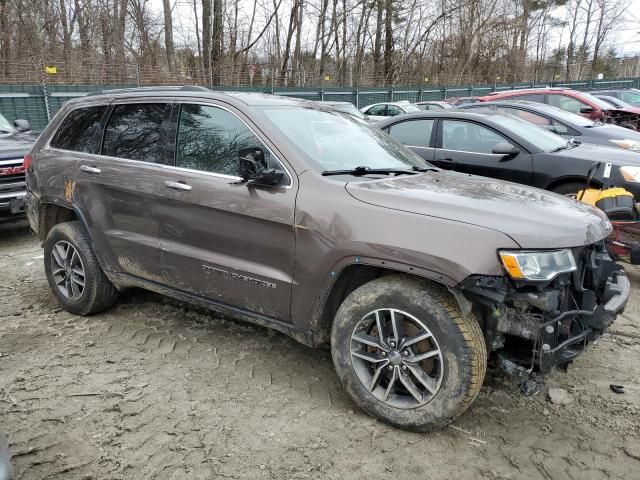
{"x":558,"y":318}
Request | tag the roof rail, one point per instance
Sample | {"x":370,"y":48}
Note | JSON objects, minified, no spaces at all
{"x":176,"y":88}
{"x":527,"y":89}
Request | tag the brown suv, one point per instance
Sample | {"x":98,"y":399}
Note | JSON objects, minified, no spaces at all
{"x":300,"y":218}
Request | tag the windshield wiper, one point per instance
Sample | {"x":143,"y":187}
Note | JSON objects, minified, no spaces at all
{"x":570,"y":144}
{"x":362,"y":170}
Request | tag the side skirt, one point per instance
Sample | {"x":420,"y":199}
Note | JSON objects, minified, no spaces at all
{"x":123,"y":280}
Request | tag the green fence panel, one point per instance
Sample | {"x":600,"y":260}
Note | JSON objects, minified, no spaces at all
{"x":28,"y":101}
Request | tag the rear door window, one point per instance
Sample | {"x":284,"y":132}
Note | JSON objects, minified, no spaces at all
{"x":415,"y":133}
{"x":77,"y":132}
{"x":212,"y":139}
{"x":137,"y":131}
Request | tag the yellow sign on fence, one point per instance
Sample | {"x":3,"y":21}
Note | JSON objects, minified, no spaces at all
{"x":50,"y":70}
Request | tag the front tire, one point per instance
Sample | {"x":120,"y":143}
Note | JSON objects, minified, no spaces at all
{"x":406,"y":354}
{"x":73,"y":271}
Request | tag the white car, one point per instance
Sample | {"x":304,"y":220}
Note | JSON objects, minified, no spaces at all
{"x":380,"y":111}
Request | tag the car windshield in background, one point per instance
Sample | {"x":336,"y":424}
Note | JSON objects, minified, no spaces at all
{"x":411,"y":108}
{"x":334,"y":141}
{"x":533,"y":134}
{"x":632,"y":97}
{"x":350,"y":109}
{"x":5,"y":126}
{"x":569,"y":117}
{"x":600,"y":103}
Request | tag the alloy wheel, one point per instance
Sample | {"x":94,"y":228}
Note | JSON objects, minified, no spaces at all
{"x":397,"y":358}
{"x":67,"y":270}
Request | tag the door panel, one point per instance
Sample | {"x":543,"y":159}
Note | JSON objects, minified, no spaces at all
{"x":117,"y":198}
{"x":117,"y":190}
{"x":467,"y":146}
{"x":220,"y":238}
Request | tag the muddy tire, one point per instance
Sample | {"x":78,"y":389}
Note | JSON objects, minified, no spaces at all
{"x":73,"y":271}
{"x":406,"y":354}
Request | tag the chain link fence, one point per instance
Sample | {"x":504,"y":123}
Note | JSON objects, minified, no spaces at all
{"x":35,"y":91}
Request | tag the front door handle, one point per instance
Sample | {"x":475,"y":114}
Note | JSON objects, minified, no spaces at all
{"x":88,"y":169}
{"x":177,"y":185}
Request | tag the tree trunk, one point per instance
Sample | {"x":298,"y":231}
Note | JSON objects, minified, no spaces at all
{"x":168,"y":36}
{"x":388,"y":43}
{"x":217,"y":47}
{"x":206,"y":40}
{"x":377,"y":43}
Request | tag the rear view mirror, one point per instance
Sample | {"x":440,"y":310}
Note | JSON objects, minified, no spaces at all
{"x":586,"y":110}
{"x":22,"y":125}
{"x":253,"y":168}
{"x":505,"y":148}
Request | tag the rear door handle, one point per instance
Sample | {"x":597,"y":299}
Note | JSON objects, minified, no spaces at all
{"x":177,"y":185}
{"x":88,"y":169}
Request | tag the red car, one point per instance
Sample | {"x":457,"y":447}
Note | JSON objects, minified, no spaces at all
{"x":574,"y":101}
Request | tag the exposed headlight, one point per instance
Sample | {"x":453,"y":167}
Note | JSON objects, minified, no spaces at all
{"x":628,"y":144}
{"x":541,"y":265}
{"x":630,"y":174}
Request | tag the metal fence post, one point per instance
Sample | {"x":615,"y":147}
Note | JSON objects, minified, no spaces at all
{"x":45,"y":90}
{"x":391,"y":94}
{"x":357,"y":97}
{"x":138,"y":74}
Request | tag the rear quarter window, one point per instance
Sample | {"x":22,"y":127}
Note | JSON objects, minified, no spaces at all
{"x":77,"y":132}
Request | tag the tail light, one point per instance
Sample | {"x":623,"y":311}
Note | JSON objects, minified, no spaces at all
{"x":26,"y":163}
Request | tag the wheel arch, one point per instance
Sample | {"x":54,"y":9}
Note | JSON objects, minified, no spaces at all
{"x":570,"y":179}
{"x":348,"y":276}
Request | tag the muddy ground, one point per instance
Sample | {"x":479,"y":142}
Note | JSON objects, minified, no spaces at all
{"x":156,"y":389}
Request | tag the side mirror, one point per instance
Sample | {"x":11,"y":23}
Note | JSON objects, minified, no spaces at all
{"x":506,"y":149}
{"x":253,"y":168}
{"x":22,"y":125}
{"x":587,"y":110}
{"x":551,"y":128}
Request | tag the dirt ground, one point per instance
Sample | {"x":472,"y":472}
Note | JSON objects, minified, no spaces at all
{"x":156,"y":389}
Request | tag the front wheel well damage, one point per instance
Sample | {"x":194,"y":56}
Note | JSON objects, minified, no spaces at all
{"x":349,"y":279}
{"x":51,"y":215}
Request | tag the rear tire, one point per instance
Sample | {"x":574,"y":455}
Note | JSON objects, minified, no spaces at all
{"x":73,"y":271}
{"x":411,"y":384}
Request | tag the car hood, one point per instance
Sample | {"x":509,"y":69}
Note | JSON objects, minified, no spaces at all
{"x":16,"y":145}
{"x":532,"y":217}
{"x":586,"y":151}
{"x":614,"y":132}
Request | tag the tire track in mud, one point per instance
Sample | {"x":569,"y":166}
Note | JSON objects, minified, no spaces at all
{"x":156,"y":389}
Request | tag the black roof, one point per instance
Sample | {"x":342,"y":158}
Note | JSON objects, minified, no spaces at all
{"x":448,"y":113}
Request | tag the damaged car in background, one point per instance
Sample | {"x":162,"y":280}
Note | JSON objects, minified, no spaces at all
{"x":294,"y":216}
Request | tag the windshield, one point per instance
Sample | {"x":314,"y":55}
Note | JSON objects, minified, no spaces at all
{"x":568,"y":117}
{"x":541,"y":138}
{"x":593,"y":99}
{"x":5,"y":126}
{"x":632,"y":97}
{"x":350,"y":109}
{"x":411,"y":108}
{"x":335,"y":141}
